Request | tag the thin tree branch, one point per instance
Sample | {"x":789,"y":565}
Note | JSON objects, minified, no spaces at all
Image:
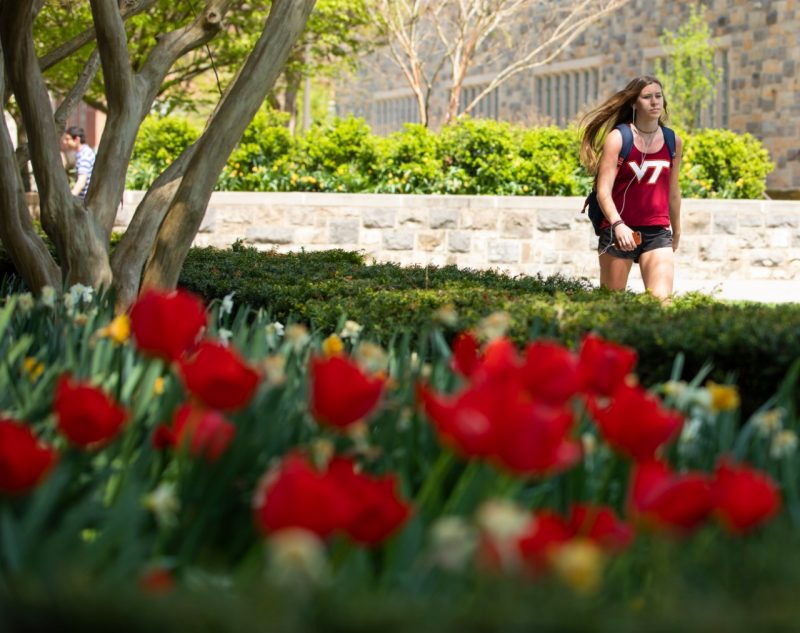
{"x":61,"y":52}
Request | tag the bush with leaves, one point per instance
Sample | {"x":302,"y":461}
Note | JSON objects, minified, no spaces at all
{"x":160,"y":141}
{"x":472,"y":156}
{"x":549,"y":164}
{"x":261,"y":155}
{"x":409,"y":161}
{"x":477,"y":156}
{"x":723,"y":164}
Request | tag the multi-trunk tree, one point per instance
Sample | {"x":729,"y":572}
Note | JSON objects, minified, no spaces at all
{"x":155,"y":244}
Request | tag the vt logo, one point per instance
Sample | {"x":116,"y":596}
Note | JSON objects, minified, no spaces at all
{"x":640,"y":172}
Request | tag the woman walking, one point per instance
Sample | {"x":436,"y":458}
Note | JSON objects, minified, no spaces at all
{"x":639,"y":194}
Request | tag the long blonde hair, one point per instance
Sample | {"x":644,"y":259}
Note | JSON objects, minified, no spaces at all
{"x":615,"y":110}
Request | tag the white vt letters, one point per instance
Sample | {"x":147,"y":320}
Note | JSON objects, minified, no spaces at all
{"x":640,"y":172}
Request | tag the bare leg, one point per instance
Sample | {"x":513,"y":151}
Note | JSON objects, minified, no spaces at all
{"x":614,"y":272}
{"x":658,"y":271}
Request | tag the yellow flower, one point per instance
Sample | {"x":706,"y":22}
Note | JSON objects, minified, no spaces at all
{"x":158,"y":386}
{"x":579,"y":564}
{"x":332,"y":346}
{"x":723,"y":397}
{"x":33,"y":368}
{"x":119,"y":330}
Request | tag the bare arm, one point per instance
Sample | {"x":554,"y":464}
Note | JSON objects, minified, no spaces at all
{"x":607,"y":172}
{"x":80,"y":183}
{"x":675,"y":194}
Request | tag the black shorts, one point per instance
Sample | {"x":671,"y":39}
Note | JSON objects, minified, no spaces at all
{"x":653,"y":237}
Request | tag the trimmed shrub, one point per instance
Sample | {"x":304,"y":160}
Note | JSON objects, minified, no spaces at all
{"x":755,"y":344}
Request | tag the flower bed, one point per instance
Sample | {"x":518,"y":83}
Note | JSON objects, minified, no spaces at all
{"x":180,"y":452}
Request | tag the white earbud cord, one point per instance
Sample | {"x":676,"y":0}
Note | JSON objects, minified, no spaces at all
{"x":625,"y":193}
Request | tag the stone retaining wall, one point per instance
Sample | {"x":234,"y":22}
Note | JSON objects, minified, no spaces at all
{"x":722,"y":239}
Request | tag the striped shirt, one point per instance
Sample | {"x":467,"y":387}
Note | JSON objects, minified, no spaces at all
{"x":84,"y":163}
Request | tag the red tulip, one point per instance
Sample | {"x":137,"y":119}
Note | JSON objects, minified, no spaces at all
{"x":157,"y":581}
{"x":601,"y":525}
{"x":635,"y":423}
{"x":294,"y":495}
{"x":603,"y":365}
{"x":167,"y":324}
{"x":463,"y":422}
{"x":550,"y":372}
{"x":218,"y":376}
{"x":545,"y":533}
{"x":86,"y":415}
{"x":379,"y":511}
{"x":499,"y":421}
{"x":532,"y":438}
{"x":205,"y":433}
{"x":341,"y":393}
{"x":24,"y":461}
{"x":669,"y":500}
{"x":465,"y":354}
{"x":743,"y":497}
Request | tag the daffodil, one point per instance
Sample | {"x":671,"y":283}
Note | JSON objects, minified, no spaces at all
{"x":723,"y":397}
{"x":332,"y":346}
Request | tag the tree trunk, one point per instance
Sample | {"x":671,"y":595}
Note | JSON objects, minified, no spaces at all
{"x":81,"y":249}
{"x":239,"y":105}
{"x":293,"y":81}
{"x":28,"y":251}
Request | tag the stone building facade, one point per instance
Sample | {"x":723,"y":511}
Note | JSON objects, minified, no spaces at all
{"x":757,"y":46}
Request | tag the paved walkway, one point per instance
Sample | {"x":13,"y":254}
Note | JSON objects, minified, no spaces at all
{"x":766,"y":290}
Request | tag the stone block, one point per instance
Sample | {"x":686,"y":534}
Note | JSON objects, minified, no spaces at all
{"x":766,"y":259}
{"x":430,"y":241}
{"x":459,"y":241}
{"x":780,"y":238}
{"x":302,"y":216}
{"x":480,"y":219}
{"x":517,"y":224}
{"x":697,"y":222}
{"x":378,"y":218}
{"x":504,"y":252}
{"x":444,"y":218}
{"x":269,"y":235}
{"x":343,"y":231}
{"x":412,"y":217}
{"x":555,"y":220}
{"x":398,"y":240}
{"x":751,"y":220}
{"x":726,"y":224}
{"x":782,"y":220}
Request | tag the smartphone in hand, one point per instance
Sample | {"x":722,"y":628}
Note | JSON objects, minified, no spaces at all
{"x":637,"y":237}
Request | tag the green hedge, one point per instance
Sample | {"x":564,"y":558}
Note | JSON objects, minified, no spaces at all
{"x":754,"y":344}
{"x":473,"y":156}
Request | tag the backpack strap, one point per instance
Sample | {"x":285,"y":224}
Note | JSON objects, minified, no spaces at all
{"x":669,"y":139}
{"x":627,"y":142}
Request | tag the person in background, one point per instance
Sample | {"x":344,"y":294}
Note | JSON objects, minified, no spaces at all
{"x":75,"y":140}
{"x":640,"y":197}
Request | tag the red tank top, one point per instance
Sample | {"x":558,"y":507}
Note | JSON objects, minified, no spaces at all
{"x":646,"y":201}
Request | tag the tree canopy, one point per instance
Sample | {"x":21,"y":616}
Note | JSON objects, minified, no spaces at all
{"x":136,"y":65}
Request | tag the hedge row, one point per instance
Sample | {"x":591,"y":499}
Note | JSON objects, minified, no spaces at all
{"x":469,"y":157}
{"x":751,"y":343}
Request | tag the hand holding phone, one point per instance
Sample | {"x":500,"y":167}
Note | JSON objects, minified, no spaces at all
{"x":637,"y":237}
